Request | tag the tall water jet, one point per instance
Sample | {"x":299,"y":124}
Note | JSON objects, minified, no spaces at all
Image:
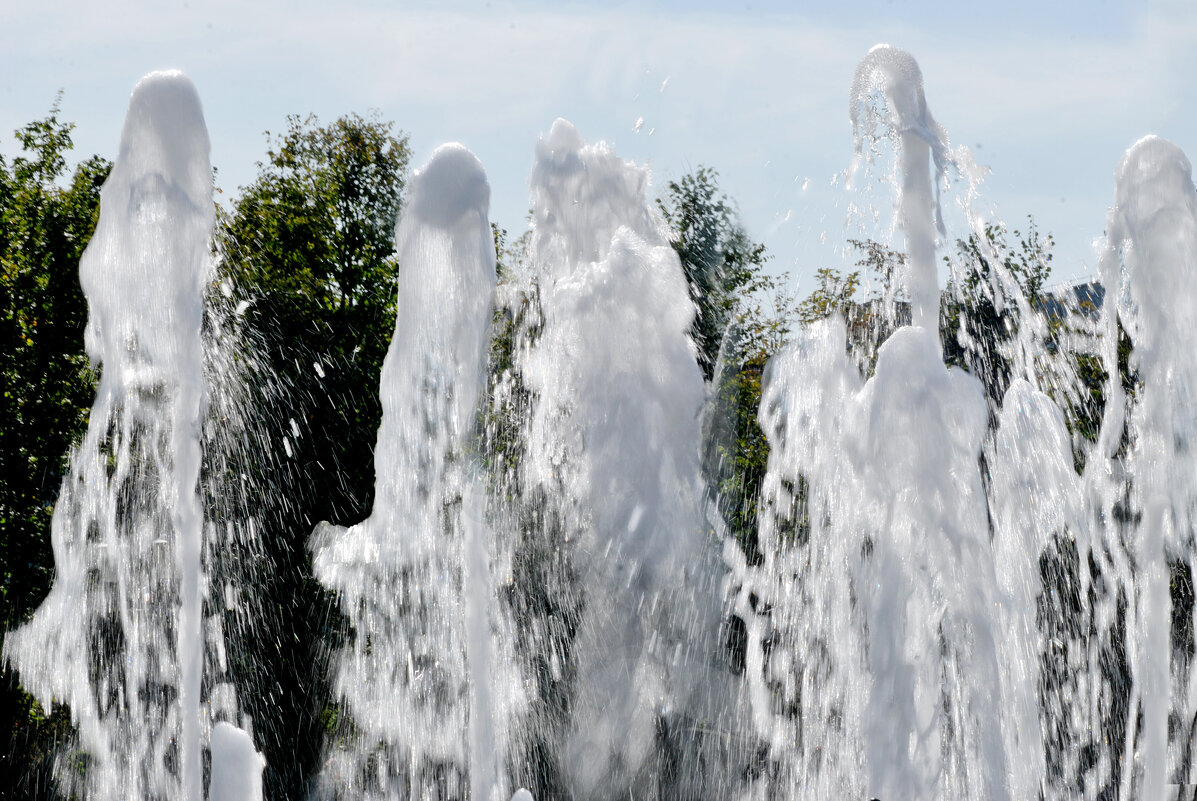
{"x":885,"y":644}
{"x":412,"y":579}
{"x":1036,"y":498}
{"x":613,"y":446}
{"x":804,"y":661}
{"x":120,"y":638}
{"x":1146,"y":464}
{"x":896,"y":74}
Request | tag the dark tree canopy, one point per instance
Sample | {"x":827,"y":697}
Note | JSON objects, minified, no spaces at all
{"x":722,"y":264}
{"x":311,"y":241}
{"x":46,"y":220}
{"x":309,"y":245}
{"x":48,"y":387}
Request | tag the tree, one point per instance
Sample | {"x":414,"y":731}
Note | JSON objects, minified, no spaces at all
{"x":48,"y":385}
{"x":309,"y":247}
{"x":47,"y":390}
{"x":980,"y":312}
{"x":834,"y":293}
{"x":743,"y":318}
{"x":311,"y":241}
{"x":723,"y":266}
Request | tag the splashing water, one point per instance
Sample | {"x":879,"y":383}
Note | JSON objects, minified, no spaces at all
{"x":120,"y":639}
{"x":1147,"y":267}
{"x":613,"y":445}
{"x":412,"y":578}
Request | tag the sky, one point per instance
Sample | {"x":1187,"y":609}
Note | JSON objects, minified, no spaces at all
{"x":1048,"y":95}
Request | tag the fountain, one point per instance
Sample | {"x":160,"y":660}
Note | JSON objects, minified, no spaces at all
{"x":956,"y":596}
{"x":1151,"y":239}
{"x":414,"y":578}
{"x":121,"y":637}
{"x":613,"y":461}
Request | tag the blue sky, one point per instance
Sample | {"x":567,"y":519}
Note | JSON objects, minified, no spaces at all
{"x":1049,"y":95}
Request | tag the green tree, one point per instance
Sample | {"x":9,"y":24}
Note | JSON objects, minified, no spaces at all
{"x":834,"y":293}
{"x":980,"y":311}
{"x":45,"y":224}
{"x":311,"y":241}
{"x":48,"y":386}
{"x":870,"y":315}
{"x":723,"y":266}
{"x":309,"y":246}
{"x":743,"y":318}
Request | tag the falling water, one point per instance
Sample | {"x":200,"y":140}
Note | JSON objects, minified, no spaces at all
{"x":1147,"y":267}
{"x":412,"y":578}
{"x":613,"y":445}
{"x":121,"y":637}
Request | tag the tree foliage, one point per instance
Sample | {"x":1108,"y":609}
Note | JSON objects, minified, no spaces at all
{"x":309,"y":246}
{"x":44,"y":227}
{"x":312,"y":239}
{"x":46,"y":221}
{"x":743,"y":317}
{"x":723,"y":266}
{"x":834,"y":293}
{"x":980,"y":314}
